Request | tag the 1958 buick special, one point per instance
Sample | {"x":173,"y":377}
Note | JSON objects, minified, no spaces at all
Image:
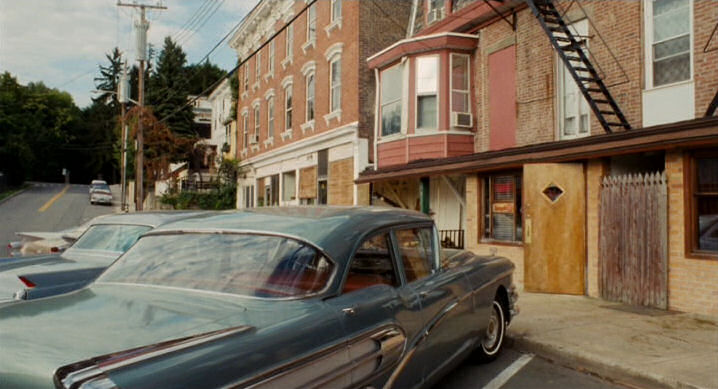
{"x":269,"y":298}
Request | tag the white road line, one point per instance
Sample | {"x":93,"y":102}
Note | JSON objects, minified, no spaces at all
{"x":509,"y":372}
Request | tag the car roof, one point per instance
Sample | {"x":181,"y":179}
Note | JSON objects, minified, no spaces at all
{"x":152,"y":219}
{"x":98,"y":182}
{"x":333,"y":229}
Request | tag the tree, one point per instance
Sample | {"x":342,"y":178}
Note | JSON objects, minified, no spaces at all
{"x":108,"y":80}
{"x":169,"y":90}
{"x":202,"y":76}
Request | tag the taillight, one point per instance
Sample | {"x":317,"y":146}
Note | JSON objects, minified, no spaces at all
{"x":28,"y":283}
{"x":54,"y":250}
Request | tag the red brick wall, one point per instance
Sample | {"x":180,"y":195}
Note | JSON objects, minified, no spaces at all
{"x":705,"y":17}
{"x":377,"y":30}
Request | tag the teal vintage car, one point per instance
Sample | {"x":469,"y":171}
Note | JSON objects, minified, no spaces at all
{"x":303,"y":297}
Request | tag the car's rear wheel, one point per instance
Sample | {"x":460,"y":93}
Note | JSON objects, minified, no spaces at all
{"x":493,"y":339}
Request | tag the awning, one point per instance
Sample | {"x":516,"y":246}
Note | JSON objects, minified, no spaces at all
{"x":689,"y":133}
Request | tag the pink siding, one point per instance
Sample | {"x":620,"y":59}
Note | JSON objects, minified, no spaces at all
{"x":502,"y":99}
{"x":392,"y":153}
{"x":459,"y":145}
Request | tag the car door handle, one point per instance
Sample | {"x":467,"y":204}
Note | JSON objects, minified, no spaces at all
{"x":349,"y":311}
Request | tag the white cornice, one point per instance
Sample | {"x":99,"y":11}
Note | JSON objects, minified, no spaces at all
{"x":421,"y":38}
{"x":259,"y":25}
{"x":327,"y":139}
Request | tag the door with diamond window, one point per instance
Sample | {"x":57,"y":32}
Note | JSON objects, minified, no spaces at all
{"x":555,"y":228}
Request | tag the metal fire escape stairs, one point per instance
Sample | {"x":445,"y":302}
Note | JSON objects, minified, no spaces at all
{"x":569,"y":49}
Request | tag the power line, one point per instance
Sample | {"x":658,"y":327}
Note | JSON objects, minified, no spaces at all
{"x":188,"y":31}
{"x":193,"y":31}
{"x":191,"y":19}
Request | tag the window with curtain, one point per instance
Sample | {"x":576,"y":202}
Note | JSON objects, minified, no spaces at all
{"x":427,"y":69}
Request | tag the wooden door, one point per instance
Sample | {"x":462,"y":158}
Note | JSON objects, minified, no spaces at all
{"x":555,"y":224}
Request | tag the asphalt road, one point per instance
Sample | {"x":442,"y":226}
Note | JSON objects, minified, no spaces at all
{"x":35,"y":210}
{"x":515,"y":370}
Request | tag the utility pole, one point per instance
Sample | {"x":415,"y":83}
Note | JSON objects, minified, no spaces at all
{"x":123,"y":96}
{"x":141,"y":27}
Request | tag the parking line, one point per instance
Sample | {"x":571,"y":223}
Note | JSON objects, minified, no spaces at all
{"x":49,"y":203}
{"x":509,"y":372}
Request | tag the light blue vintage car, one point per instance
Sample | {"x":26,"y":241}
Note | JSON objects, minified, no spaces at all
{"x":105,"y":238}
{"x":269,"y":298}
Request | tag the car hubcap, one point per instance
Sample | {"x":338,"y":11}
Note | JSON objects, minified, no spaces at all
{"x":494,"y":331}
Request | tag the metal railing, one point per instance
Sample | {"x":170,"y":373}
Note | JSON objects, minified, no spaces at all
{"x":452,"y":239}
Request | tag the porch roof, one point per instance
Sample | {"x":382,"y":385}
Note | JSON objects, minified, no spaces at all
{"x":689,"y":133}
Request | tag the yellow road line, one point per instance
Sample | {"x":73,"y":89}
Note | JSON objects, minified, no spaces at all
{"x":49,"y":203}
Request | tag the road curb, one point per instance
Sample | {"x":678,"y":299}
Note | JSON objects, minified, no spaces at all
{"x":14,"y":194}
{"x":612,"y":370}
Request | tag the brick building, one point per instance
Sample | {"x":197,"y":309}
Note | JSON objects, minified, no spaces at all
{"x":305,"y":109}
{"x":571,"y":136}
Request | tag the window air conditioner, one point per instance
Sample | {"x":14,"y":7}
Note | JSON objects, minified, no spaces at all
{"x":461,"y":119}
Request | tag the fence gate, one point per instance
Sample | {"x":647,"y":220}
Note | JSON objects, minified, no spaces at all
{"x":633,"y":247}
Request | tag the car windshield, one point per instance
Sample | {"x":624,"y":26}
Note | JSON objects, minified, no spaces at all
{"x":110,"y":237}
{"x":243,"y":264}
{"x":101,"y":187}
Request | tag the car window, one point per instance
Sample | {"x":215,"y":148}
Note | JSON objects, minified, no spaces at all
{"x":110,"y":237}
{"x":371,"y":265}
{"x":243,"y":264}
{"x":416,"y":252}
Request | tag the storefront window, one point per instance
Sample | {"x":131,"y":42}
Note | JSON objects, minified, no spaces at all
{"x":502,"y":208}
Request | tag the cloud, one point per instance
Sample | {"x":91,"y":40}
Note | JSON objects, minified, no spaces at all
{"x":62,"y":42}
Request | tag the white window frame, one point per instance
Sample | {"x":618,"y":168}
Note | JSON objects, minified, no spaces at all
{"x":246,"y":77}
{"x":311,"y":21}
{"x":467,"y":91}
{"x":578,"y":28}
{"x":334,"y":5}
{"x":245,"y":133}
{"x":270,"y":117}
{"x":270,"y":60}
{"x":311,"y":98}
{"x":257,"y":121}
{"x":335,"y":88}
{"x":257,"y":67}
{"x":382,"y":104}
{"x":417,"y":94}
{"x":648,"y":24}
{"x":288,"y":108}
{"x":289,"y":42}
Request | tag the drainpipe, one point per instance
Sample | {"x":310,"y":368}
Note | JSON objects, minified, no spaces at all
{"x":412,"y":20}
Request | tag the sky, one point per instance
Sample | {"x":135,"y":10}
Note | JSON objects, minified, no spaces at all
{"x":62,"y":42}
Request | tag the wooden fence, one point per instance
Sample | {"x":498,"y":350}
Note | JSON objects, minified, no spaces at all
{"x":633,"y":247}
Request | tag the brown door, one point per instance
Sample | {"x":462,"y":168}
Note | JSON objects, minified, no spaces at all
{"x":555,"y":224}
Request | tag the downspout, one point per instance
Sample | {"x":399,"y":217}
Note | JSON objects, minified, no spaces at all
{"x":376,"y":118}
{"x":412,"y":20}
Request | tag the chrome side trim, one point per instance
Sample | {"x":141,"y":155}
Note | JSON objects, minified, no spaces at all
{"x":391,"y":342}
{"x":96,"y":369}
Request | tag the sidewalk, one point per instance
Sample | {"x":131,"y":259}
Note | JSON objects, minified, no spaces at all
{"x":640,"y":347}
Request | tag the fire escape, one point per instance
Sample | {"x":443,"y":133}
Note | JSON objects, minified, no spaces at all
{"x":571,"y":52}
